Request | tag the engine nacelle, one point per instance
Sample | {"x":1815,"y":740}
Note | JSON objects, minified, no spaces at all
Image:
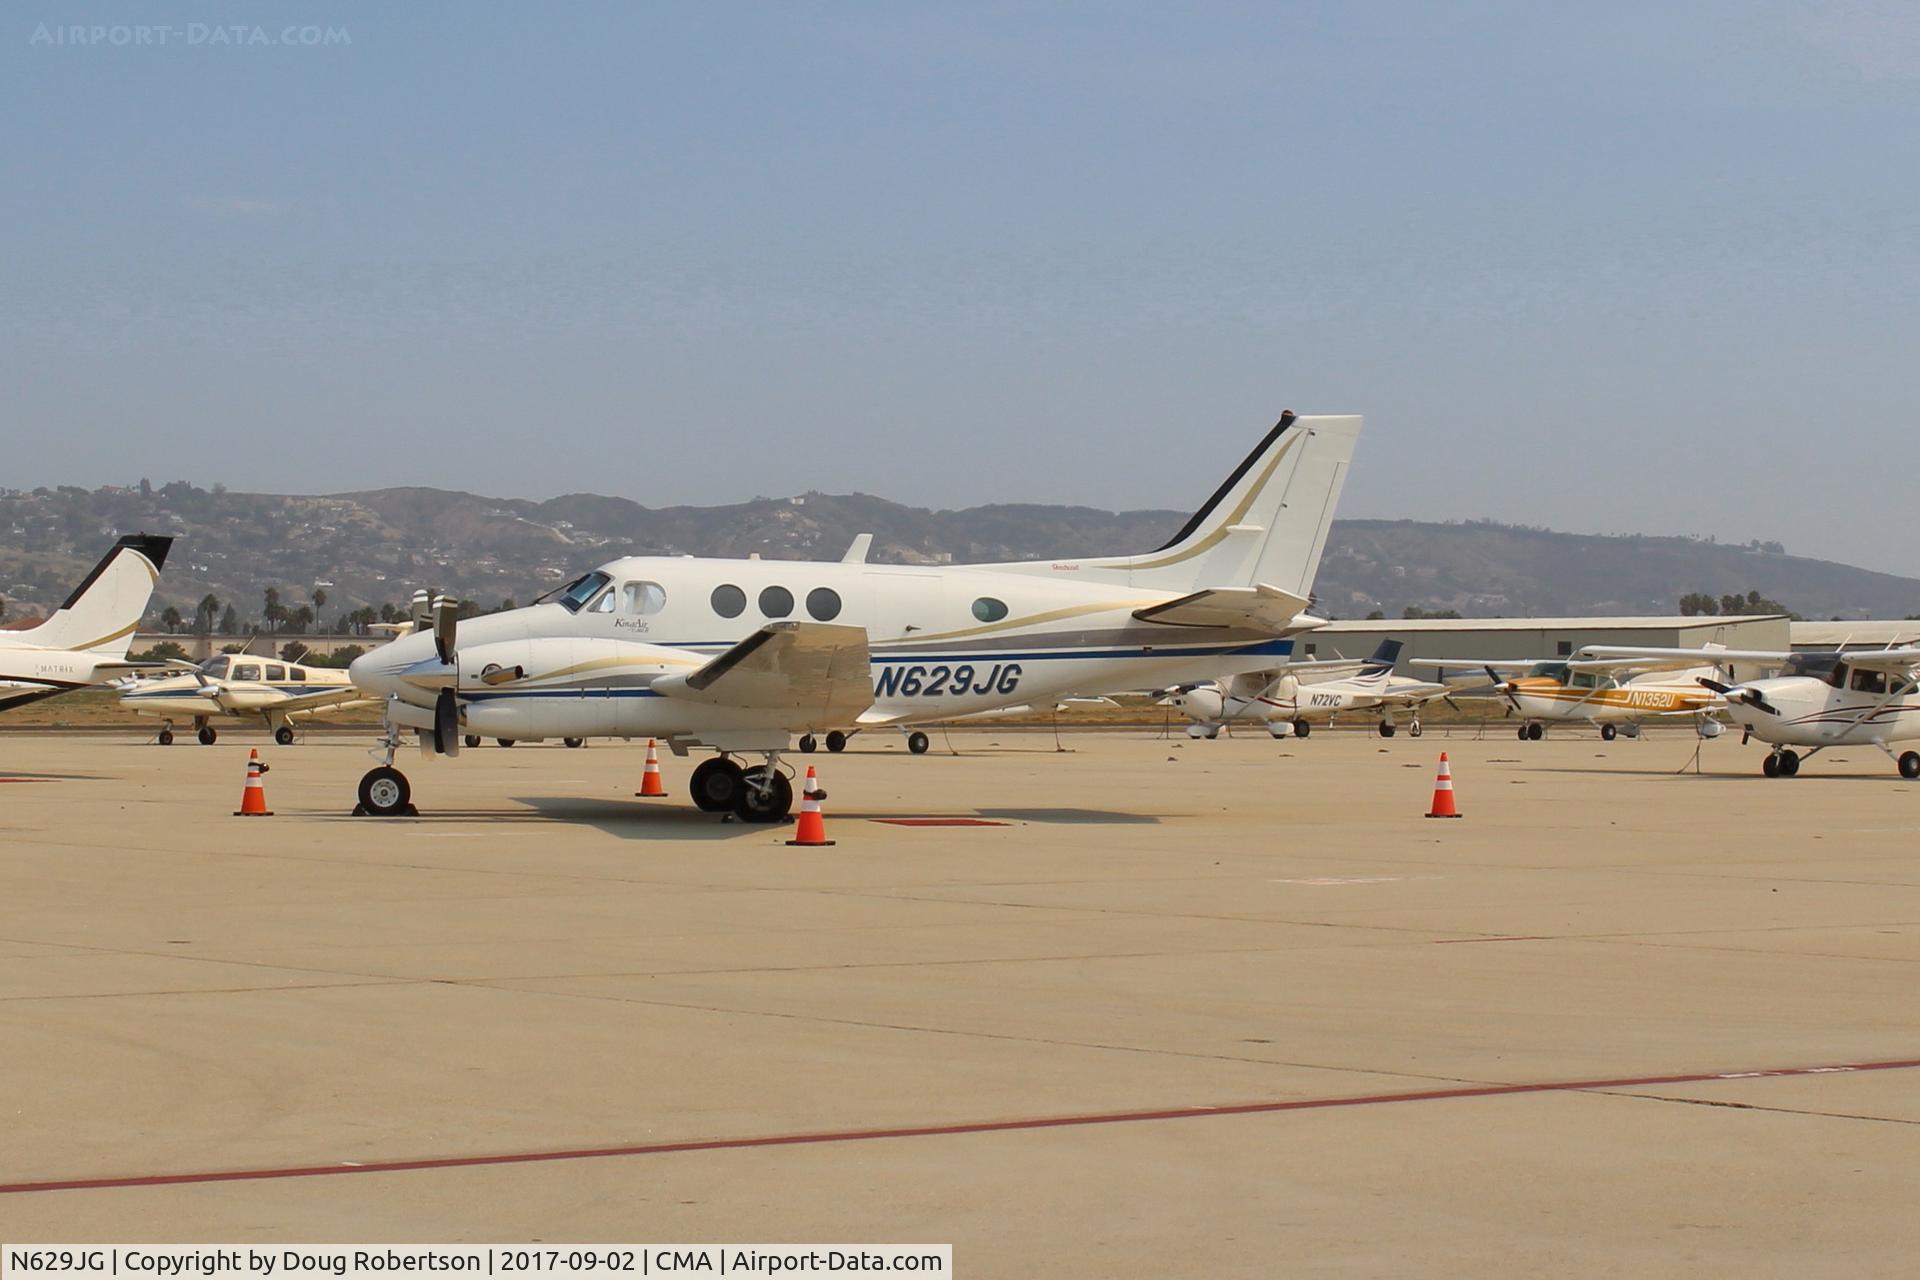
{"x":1203,"y":703}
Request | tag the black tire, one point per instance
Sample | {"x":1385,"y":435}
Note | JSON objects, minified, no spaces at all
{"x":471,"y":740}
{"x":1789,"y":764}
{"x":385,"y":792}
{"x":809,"y":744}
{"x":284,"y":735}
{"x":1301,"y":728}
{"x":714,"y":784}
{"x":1535,"y":732}
{"x":166,"y":737}
{"x":505,"y":742}
{"x":1386,"y":729}
{"x":1213,"y":731}
{"x":836,"y":742}
{"x":769,"y":804}
{"x":573,"y":742}
{"x":208,"y":736}
{"x":1608,"y":733}
{"x":1523,"y":733}
{"x":918,"y":742}
{"x":1910,"y":764}
{"x":1770,"y":765}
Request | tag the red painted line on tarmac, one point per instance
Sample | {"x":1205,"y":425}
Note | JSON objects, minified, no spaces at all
{"x":1518,"y":937}
{"x":934,"y":1131}
{"x":940,"y":822}
{"x":29,"y":779}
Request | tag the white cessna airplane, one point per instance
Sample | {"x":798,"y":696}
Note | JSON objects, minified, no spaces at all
{"x":708,"y":653}
{"x":85,"y":642}
{"x":1852,"y":697}
{"x":1287,"y":704}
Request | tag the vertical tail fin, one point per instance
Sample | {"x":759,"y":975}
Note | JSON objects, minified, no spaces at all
{"x":1384,"y":658}
{"x":103,"y":612}
{"x":1266,"y":524}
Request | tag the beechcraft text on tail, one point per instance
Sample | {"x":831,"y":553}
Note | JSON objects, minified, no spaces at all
{"x":86,"y":639}
{"x":738,"y":656}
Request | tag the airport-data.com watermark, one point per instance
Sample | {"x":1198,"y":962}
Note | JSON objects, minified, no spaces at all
{"x":187,"y":35}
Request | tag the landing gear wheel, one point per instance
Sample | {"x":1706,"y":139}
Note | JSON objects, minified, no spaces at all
{"x":809,"y":744}
{"x":207,"y":736}
{"x":1213,"y":733}
{"x":574,"y":742}
{"x":1910,"y":764}
{"x":1789,"y":763}
{"x":1771,"y":766}
{"x":1535,"y":732}
{"x":918,"y":742}
{"x":471,"y":740}
{"x":385,"y":793}
{"x":836,"y":742}
{"x":166,"y":737}
{"x":284,"y":735}
{"x":1523,"y":733}
{"x":1608,"y":733}
{"x":1301,"y":728}
{"x":771,"y":802}
{"x":714,"y":784}
{"x":1386,"y":728}
{"x":1416,"y":728}
{"x":505,"y":742}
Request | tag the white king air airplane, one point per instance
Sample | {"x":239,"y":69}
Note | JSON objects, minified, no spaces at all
{"x":737,"y":656}
{"x":85,"y":642}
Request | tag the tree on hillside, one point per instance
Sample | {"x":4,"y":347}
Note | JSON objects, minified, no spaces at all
{"x":1697,"y":603}
{"x":1753,"y":602}
{"x":229,"y":621}
{"x":206,"y":612}
{"x":170,"y":619}
{"x":1414,"y":611}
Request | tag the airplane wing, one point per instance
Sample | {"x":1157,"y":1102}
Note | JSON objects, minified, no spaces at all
{"x":1682,"y":657}
{"x":1646,"y":665}
{"x":798,"y":673}
{"x":127,"y":666}
{"x":1416,"y":694}
{"x":1260,"y":607}
{"x":324,"y":699}
{"x":1893,"y":661}
{"x":1478,"y":665}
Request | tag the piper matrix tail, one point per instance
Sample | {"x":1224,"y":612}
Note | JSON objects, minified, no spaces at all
{"x":737,"y":656}
{"x":86,"y":640}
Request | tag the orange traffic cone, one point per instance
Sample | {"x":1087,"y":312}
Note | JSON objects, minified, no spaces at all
{"x":1443,"y":792}
{"x":811,"y":833}
{"x":253,"y":801}
{"x":650,"y":784}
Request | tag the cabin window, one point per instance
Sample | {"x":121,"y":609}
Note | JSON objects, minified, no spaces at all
{"x":823,"y":604}
{"x":987,"y":609}
{"x":729,"y":601}
{"x":246,"y":671}
{"x":217,"y":666}
{"x":1865,"y":681}
{"x":645,"y":597}
{"x":297,"y":674}
{"x":581,"y":591}
{"x":776,"y":602}
{"x":276,"y":673}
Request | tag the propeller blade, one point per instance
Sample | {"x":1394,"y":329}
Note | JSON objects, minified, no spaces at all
{"x":1715,"y":685}
{"x":446,"y":723}
{"x":1505,"y":687}
{"x":445,"y":627}
{"x":421,"y":610}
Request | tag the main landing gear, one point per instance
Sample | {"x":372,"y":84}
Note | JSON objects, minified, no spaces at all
{"x":836,"y":742}
{"x":1608,"y":733}
{"x":284,"y":735}
{"x":1781,"y":763}
{"x":206,"y":734}
{"x":1301,"y":728}
{"x":1386,"y":729}
{"x":918,"y":742}
{"x":1532,"y":732}
{"x":758,"y":794}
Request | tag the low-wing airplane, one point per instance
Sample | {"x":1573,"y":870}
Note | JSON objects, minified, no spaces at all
{"x":240,"y":686}
{"x":706,"y":653}
{"x":1612,"y":689}
{"x":1851,"y":697}
{"x":86,"y":639}
{"x":1286,"y":703}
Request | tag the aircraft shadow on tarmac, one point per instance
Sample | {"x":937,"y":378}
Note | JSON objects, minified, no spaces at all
{"x":635,"y":820}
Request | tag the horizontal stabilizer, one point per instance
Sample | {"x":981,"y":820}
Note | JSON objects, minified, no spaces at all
{"x":800,"y":673}
{"x":1257,"y":608}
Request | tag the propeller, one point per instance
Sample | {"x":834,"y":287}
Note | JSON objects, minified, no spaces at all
{"x":445,"y":627}
{"x":1504,"y":686}
{"x":1740,"y":693}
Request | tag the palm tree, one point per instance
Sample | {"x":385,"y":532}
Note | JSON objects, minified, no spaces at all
{"x":209,"y":610}
{"x":170,"y":619}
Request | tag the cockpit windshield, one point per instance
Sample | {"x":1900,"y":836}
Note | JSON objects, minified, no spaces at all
{"x":1818,"y":666}
{"x":1551,"y":670}
{"x":579,"y":593}
{"x":217,"y":666}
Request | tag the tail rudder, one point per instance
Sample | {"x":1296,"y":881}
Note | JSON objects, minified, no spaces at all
{"x":102,"y":613}
{"x":1384,"y":658}
{"x":1266,"y":523}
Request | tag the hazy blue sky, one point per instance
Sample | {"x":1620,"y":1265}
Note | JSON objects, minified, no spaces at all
{"x":1611,"y":268}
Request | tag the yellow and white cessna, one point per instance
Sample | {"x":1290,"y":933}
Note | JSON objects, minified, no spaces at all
{"x":85,"y":642}
{"x":244,"y":687}
{"x":1851,"y":697}
{"x":737,"y":656}
{"x":1288,"y":704}
{"x":1610,"y":688}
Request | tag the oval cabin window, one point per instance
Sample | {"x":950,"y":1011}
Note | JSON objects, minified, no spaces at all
{"x":987,"y":609}
{"x":776,"y":602}
{"x":729,"y":601}
{"x":823,"y":604}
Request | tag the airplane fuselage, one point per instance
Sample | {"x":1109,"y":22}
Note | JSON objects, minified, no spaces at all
{"x":1543,"y":698}
{"x":943,"y":642}
{"x":1808,"y":712}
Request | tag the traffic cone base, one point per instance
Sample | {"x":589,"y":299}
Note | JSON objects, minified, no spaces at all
{"x":650,"y":783}
{"x":811,"y":831}
{"x":1443,"y":806}
{"x":253,"y":800}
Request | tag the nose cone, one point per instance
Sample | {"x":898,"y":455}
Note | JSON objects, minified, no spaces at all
{"x":377,"y":671}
